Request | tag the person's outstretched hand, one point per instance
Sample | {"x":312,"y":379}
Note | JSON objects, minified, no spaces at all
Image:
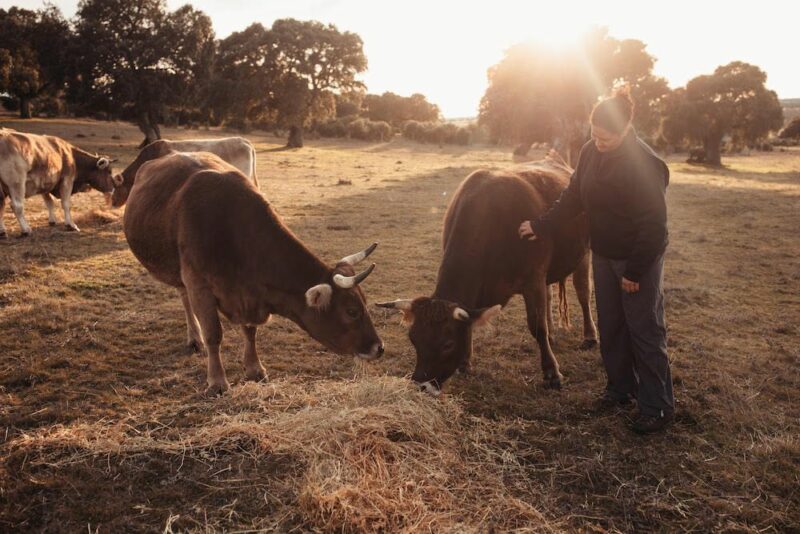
{"x":526,"y":231}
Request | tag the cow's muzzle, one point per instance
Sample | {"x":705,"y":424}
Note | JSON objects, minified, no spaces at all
{"x":375,"y":352}
{"x":431,"y":387}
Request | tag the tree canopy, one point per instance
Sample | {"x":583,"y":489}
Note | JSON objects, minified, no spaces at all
{"x":396,"y":109}
{"x":135,"y":58}
{"x":536,"y":93}
{"x":792,"y":130}
{"x":33,"y":53}
{"x":732,"y":101}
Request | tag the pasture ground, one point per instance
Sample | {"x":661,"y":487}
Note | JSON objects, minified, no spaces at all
{"x":103,"y":425}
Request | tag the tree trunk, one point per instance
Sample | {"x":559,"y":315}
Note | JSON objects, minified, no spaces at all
{"x":295,"y":137}
{"x":24,"y":108}
{"x":149,"y":128}
{"x":712,"y":145}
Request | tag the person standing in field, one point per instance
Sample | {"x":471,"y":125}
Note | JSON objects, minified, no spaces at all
{"x":620,"y":183}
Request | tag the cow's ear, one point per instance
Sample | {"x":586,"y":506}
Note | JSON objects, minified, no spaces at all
{"x":484,"y":316}
{"x":319,"y":296}
{"x":408,"y":316}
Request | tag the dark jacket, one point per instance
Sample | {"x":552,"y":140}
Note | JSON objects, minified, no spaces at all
{"x":623,"y":192}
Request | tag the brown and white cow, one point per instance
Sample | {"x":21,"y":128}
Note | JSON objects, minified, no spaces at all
{"x":237,"y":151}
{"x":485,"y":263}
{"x":199,"y":225}
{"x":42,"y":164}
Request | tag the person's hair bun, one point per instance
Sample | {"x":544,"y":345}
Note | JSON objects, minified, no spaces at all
{"x":616,"y":112}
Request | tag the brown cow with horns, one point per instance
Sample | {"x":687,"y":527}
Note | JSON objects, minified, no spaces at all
{"x":199,"y":225}
{"x":485,"y":263}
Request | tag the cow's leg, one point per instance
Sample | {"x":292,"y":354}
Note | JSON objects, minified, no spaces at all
{"x":194,"y":341}
{"x":204,"y":306}
{"x":51,"y":209}
{"x":66,"y":203}
{"x":17,"y":197}
{"x":582,"y":281}
{"x":535,"y":295}
{"x":3,"y":233}
{"x":550,"y":325}
{"x":253,"y":369}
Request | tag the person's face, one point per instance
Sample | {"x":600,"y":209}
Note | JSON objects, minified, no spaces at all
{"x":606,"y":141}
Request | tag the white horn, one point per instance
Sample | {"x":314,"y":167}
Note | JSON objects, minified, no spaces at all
{"x":460,"y":314}
{"x":358,"y":257}
{"x":399,"y":304}
{"x":346,"y":282}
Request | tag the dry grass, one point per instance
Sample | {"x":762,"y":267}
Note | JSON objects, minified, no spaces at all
{"x":365,"y":455}
{"x":102,"y":422}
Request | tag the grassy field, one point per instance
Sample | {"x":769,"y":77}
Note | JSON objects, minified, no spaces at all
{"x":103,"y":424}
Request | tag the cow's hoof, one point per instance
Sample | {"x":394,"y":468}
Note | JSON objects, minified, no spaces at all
{"x":72,"y":228}
{"x":23,"y":235}
{"x":3,"y":235}
{"x":588,"y":344}
{"x":553,"y":380}
{"x":192,"y":347}
{"x":216,"y":390}
{"x":51,"y":223}
{"x":256,"y":375}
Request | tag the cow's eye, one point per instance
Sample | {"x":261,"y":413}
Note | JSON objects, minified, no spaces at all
{"x":448,"y":346}
{"x":354,"y":313}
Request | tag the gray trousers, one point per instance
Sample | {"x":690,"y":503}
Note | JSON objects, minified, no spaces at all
{"x":633,"y":336}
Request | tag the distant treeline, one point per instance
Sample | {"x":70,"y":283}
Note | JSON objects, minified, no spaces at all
{"x":537,"y":95}
{"x":138,"y":61}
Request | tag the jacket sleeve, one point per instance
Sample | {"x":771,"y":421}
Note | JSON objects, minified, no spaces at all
{"x":568,"y":206}
{"x":649,"y":214}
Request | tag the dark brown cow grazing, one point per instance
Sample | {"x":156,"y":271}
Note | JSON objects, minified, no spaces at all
{"x":485,"y":263}
{"x":198,"y":224}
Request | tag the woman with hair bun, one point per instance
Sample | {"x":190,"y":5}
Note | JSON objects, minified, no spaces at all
{"x":620,"y":183}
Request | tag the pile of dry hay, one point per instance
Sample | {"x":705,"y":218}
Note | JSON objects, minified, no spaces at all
{"x":373,"y":454}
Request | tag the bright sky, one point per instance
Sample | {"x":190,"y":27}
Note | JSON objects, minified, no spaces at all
{"x":442,"y":48}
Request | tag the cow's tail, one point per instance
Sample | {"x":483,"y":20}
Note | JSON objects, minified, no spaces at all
{"x":253,"y":165}
{"x":563,"y":305}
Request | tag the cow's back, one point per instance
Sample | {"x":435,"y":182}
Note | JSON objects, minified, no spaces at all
{"x":481,"y":243}
{"x":235,"y":150}
{"x":569,"y":241}
{"x":188,"y":207}
{"x":151,"y":217}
